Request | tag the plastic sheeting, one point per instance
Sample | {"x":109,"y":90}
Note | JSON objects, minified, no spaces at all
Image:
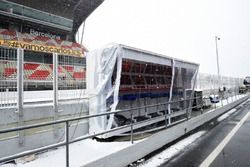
{"x":210,"y":84}
{"x":100,"y":67}
{"x":103,"y":90}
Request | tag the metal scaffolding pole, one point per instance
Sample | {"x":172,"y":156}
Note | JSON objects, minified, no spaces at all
{"x":20,"y":92}
{"x":171,"y":90}
{"x":55,"y":88}
{"x":192,"y":93}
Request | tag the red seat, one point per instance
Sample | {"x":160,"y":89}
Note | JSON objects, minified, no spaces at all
{"x":126,"y":66}
{"x":69,"y":68}
{"x":79,"y":75}
{"x":9,"y":71}
{"x":60,"y":69}
{"x":29,"y":66}
{"x":39,"y":75}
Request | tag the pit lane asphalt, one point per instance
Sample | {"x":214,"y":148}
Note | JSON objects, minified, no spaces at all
{"x":236,"y":153}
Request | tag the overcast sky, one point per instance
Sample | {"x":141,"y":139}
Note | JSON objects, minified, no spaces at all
{"x":183,"y":29}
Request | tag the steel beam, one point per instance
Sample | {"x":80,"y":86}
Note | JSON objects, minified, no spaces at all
{"x":20,"y":56}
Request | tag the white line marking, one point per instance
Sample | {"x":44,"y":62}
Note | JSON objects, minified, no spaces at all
{"x":207,"y":162}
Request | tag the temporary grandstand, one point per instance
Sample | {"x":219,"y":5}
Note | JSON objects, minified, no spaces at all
{"x":123,"y":78}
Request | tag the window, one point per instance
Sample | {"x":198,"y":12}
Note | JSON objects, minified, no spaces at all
{"x":30,"y":56}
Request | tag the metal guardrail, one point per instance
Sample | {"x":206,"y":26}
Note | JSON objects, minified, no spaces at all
{"x":67,"y":125}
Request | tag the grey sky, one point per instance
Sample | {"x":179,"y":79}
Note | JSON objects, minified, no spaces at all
{"x":178,"y":28}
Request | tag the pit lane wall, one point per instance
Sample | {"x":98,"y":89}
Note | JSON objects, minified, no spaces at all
{"x":43,"y":136}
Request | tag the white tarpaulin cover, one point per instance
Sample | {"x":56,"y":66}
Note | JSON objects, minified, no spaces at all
{"x":100,"y":67}
{"x":101,"y":64}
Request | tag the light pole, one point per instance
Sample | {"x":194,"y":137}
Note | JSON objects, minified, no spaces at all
{"x":218,"y":68}
{"x":217,"y":57}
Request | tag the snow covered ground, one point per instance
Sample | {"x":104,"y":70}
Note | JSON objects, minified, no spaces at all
{"x":173,"y":150}
{"x":81,"y":153}
{"x":227,"y":114}
{"x":45,"y":95}
{"x":224,"y":116}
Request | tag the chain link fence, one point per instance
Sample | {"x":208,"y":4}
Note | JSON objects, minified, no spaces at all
{"x":38,"y":76}
{"x":71,"y":76}
{"x":8,"y":77}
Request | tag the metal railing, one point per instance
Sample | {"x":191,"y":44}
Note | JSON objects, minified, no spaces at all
{"x":67,"y":141}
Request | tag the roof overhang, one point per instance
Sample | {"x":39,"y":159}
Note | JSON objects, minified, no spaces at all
{"x":71,"y":13}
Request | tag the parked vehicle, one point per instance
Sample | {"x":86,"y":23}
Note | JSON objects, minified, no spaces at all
{"x":246,"y":82}
{"x":206,"y":102}
{"x":214,"y":98}
{"x":242,"y":89}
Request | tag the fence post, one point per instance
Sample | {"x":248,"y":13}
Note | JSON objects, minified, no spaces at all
{"x":169,"y":114}
{"x":166,"y":118}
{"x":214,"y":98}
{"x":187,"y":106}
{"x":67,"y":143}
{"x":132,"y":129}
{"x":202,"y":105}
{"x":227,"y":96}
{"x":222,"y":97}
{"x":55,"y":90}
{"x":20,"y":92}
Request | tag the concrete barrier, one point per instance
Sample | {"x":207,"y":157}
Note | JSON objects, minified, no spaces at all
{"x":136,"y":151}
{"x":44,"y":136}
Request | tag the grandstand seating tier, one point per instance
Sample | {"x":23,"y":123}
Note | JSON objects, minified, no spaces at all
{"x":39,"y":71}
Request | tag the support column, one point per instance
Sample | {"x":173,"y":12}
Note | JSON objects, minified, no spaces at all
{"x":55,"y":89}
{"x":171,"y":90}
{"x":20,"y":92}
{"x":183,"y":74}
{"x":192,"y":93}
